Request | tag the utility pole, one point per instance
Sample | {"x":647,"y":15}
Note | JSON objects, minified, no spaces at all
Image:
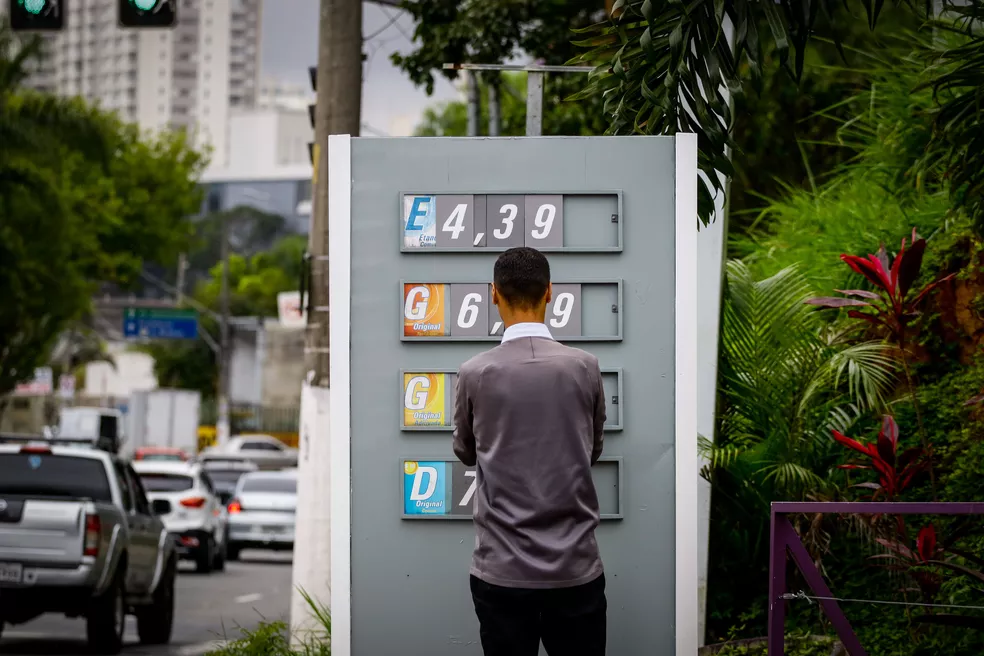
{"x":222,"y":422}
{"x":337,"y":111}
{"x":471,"y":82}
{"x":180,"y":283}
{"x":338,"y":108}
{"x":494,"y":107}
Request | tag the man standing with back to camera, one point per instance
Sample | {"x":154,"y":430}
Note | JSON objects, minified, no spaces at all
{"x":530,"y":415}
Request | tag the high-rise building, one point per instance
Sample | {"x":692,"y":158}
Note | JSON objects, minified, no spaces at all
{"x":186,"y":77}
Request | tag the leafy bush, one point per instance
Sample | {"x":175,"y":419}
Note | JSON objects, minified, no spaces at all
{"x":273,"y":638}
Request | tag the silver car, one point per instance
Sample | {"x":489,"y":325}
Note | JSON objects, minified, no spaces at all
{"x":262,"y":511}
{"x":265,"y":450}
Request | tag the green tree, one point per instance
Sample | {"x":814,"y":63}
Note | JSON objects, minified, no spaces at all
{"x":254,"y":282}
{"x":84,"y":199}
{"x":496,"y":31}
{"x":654,"y":59}
{"x":450,"y":118}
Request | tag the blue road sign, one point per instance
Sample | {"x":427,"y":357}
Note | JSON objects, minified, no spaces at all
{"x":160,"y":323}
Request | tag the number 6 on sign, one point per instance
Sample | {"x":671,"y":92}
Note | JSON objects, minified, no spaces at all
{"x":545,"y":221}
{"x":470,"y":309}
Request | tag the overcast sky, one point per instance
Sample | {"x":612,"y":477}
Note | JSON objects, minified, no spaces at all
{"x":391,"y":105}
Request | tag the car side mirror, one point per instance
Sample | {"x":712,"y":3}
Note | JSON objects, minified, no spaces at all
{"x":160,"y":506}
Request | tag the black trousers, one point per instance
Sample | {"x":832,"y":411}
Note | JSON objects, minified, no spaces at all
{"x":569,"y":621}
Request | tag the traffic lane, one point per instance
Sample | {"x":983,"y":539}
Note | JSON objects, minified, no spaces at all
{"x":209,"y":608}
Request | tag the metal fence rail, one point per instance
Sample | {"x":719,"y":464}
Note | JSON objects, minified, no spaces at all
{"x":786,"y":542}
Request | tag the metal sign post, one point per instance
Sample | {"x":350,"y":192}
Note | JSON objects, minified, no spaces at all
{"x":534,"y":87}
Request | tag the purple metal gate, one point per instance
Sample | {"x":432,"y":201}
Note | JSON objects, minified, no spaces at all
{"x":785,"y":540}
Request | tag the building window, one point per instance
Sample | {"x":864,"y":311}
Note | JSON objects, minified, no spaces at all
{"x":214,"y":200}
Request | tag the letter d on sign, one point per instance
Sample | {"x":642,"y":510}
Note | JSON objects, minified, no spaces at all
{"x":415,"y":494}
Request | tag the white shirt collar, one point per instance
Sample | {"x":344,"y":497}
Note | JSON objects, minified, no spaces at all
{"x":528,"y":329}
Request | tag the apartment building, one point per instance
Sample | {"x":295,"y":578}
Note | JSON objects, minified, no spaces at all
{"x":187,"y":77}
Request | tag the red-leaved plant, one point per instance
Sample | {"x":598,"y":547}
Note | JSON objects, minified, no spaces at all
{"x":891,"y":306}
{"x":925,"y":564}
{"x":895,"y":472}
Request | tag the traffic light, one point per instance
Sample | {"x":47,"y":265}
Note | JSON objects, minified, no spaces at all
{"x":148,"y":13}
{"x":36,"y":15}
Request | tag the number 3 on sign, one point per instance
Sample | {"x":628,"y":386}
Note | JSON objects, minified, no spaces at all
{"x":545,"y":221}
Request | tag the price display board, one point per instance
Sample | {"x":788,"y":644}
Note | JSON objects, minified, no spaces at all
{"x":551,"y":222}
{"x":416,"y":227}
{"x":428,"y":398}
{"x":578,"y":311}
{"x":445,"y":489}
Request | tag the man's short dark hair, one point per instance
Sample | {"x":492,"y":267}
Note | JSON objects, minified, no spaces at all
{"x":521,"y":276}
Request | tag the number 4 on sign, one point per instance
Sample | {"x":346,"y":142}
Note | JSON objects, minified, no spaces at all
{"x":470,"y":492}
{"x":455,"y":223}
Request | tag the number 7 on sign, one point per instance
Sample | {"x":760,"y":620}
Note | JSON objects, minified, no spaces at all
{"x":472,"y":487}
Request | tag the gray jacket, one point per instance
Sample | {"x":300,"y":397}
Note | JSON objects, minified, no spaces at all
{"x":530,"y":415}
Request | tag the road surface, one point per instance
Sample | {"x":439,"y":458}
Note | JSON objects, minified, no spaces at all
{"x":209,"y":608}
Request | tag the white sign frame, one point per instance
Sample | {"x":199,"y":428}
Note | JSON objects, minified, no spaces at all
{"x":685,"y":393}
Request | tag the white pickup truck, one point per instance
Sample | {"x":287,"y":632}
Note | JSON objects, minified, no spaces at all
{"x":78,"y":537}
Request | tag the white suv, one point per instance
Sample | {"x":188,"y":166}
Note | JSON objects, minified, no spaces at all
{"x":197,"y":519}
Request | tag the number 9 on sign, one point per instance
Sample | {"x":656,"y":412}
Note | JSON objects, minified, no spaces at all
{"x":564,"y":311}
{"x":544,"y":221}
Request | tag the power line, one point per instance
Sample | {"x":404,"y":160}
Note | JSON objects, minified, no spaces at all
{"x":790,"y":596}
{"x":171,"y":289}
{"x":392,"y":19}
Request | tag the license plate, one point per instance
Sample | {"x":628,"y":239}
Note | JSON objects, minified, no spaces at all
{"x":272,"y":530}
{"x":11,"y":572}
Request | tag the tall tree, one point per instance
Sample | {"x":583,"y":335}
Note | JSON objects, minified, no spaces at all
{"x":498,"y":31}
{"x":84,"y":198}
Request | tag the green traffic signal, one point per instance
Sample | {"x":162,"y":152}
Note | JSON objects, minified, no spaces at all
{"x":33,"y":6}
{"x":35,"y":15}
{"x":148,"y":13}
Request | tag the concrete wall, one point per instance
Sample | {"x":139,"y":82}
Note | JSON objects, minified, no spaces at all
{"x":283,"y":365}
{"x":133,"y":371}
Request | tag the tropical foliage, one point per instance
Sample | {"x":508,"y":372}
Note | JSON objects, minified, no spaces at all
{"x":664,"y":67}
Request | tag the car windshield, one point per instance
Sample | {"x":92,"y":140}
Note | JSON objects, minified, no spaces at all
{"x":166,"y":482}
{"x":47,"y":475}
{"x":281,"y":484}
{"x":225,"y":479}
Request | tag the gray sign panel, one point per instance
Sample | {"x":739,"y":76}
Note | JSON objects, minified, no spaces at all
{"x":421,"y":391}
{"x":581,"y":221}
{"x":453,"y":311}
{"x":437,"y":489}
{"x":622,"y":307}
